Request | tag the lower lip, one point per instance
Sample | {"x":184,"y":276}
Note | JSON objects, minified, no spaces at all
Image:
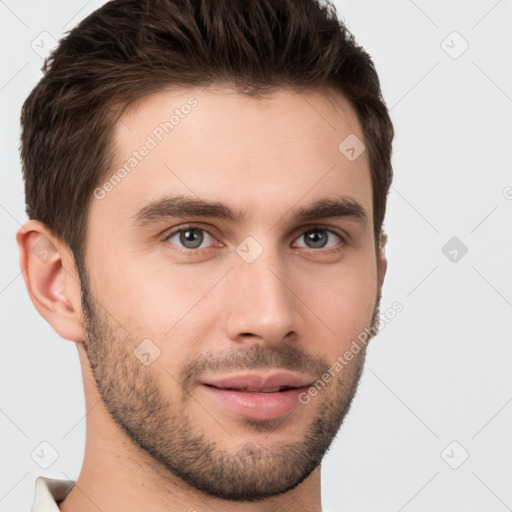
{"x":258,"y":406}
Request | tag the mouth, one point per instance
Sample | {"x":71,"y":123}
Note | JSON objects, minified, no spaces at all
{"x":275,"y":389}
{"x":258,"y":396}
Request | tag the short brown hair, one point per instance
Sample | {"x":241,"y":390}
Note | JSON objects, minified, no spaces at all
{"x":128,"y":49}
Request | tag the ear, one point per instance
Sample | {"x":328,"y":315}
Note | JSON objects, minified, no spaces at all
{"x":382,"y":262}
{"x":51,"y":279}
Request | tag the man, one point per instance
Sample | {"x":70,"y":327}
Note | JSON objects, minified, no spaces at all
{"x":206,"y":184}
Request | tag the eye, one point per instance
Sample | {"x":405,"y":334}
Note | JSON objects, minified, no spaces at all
{"x":190,"y":237}
{"x":317,"y":238}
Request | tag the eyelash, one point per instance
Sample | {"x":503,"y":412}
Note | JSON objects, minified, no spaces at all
{"x":193,"y":252}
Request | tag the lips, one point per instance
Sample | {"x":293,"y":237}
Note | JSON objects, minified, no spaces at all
{"x":259,"y":396}
{"x":275,"y":389}
{"x":260,"y":383}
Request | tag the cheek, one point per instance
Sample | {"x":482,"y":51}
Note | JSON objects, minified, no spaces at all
{"x":153,"y":297}
{"x":343,"y":298}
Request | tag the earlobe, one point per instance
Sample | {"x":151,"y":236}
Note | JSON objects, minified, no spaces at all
{"x":51,"y":280}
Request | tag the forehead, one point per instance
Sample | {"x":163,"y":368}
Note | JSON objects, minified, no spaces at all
{"x":259,"y":154}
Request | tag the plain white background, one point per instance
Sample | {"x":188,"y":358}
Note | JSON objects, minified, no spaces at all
{"x":430,"y":427}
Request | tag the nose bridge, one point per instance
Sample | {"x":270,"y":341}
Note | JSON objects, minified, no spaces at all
{"x":262,"y":303}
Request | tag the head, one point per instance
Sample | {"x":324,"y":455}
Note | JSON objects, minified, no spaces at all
{"x":210,"y":180}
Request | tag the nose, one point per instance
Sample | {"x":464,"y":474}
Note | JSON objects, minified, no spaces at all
{"x":262,"y":303}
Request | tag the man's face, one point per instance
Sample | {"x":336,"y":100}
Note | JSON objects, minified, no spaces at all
{"x":167,"y":311}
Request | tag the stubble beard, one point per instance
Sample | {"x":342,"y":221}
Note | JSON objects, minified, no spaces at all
{"x":161,"y":426}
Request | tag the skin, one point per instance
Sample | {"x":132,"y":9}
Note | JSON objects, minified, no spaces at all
{"x":155,"y":439}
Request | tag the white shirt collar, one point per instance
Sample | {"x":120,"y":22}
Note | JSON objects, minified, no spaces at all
{"x":48,"y":492}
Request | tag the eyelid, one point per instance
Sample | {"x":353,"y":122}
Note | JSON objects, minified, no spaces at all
{"x":331,"y":229}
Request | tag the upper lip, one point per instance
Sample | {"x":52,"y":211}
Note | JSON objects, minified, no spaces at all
{"x":259,"y":380}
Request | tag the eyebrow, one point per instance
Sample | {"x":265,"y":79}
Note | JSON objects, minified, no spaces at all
{"x":177,"y":206}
